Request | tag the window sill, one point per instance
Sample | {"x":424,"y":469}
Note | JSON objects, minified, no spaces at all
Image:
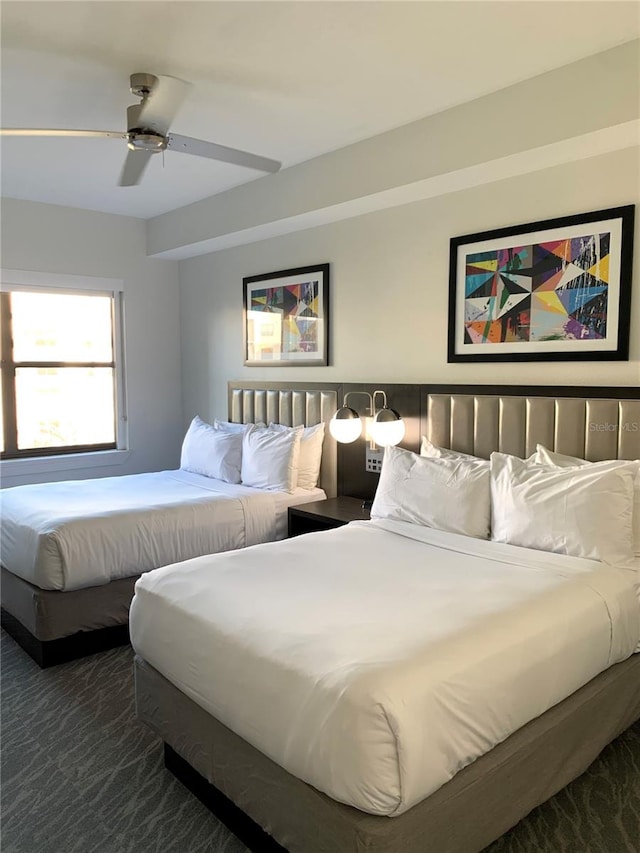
{"x":68,"y":462}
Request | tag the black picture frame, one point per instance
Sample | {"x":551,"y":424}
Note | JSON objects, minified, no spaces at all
{"x":286,"y":317}
{"x":502,"y":302}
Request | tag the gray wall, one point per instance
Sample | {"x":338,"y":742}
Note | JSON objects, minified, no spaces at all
{"x":390,"y":288}
{"x":52,"y":239}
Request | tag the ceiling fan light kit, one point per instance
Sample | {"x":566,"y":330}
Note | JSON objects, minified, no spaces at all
{"x":148,"y":130}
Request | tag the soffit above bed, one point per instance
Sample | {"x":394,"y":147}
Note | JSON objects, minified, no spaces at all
{"x":261,"y":81}
{"x":427,"y":158}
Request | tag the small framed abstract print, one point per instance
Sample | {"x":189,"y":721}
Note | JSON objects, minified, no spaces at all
{"x":555,"y":290}
{"x":286,"y":317}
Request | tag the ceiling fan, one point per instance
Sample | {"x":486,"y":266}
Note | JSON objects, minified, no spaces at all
{"x":148,"y":130}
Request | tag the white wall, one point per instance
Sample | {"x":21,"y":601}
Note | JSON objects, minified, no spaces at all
{"x":390,"y":285}
{"x":49,"y":238}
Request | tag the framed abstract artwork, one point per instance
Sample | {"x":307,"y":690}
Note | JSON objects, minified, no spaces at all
{"x":286,"y":317}
{"x":555,"y":290}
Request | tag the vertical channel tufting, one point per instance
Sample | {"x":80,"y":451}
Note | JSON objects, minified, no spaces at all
{"x":602,"y":430}
{"x":284,"y":416}
{"x":235,"y":406}
{"x":328,"y":403}
{"x":512,"y":425}
{"x":313,"y":411}
{"x":629,"y":440}
{"x":485,"y":438}
{"x":273,"y":407}
{"x":260,"y":407}
{"x":461,"y":424}
{"x":438,"y":428}
{"x":298,"y":407}
{"x":540,"y":423}
{"x":247,"y":407}
{"x":570,"y":426}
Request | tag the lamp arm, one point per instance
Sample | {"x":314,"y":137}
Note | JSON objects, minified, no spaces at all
{"x":363,"y":393}
{"x":370,"y":412}
{"x":384,"y":404}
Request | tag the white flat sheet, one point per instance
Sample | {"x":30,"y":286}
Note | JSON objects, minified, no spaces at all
{"x":82,"y":533}
{"x":376,"y":660}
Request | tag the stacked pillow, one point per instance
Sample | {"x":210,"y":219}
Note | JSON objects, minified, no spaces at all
{"x":270,"y":458}
{"x":584,"y":511}
{"x":212,"y":452}
{"x":275,"y":457}
{"x":310,"y":456}
{"x":446,"y":490}
{"x":543,"y":456}
{"x":547,"y":502}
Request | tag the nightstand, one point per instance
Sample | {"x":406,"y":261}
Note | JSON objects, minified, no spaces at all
{"x":325,"y":515}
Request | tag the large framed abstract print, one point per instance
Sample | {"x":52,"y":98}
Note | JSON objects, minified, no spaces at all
{"x":555,"y":290}
{"x":286,"y":317}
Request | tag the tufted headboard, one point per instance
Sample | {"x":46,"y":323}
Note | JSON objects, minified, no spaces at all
{"x":293,"y":404}
{"x":592,"y":423}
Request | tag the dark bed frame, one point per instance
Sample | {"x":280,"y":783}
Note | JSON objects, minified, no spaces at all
{"x":48,"y":653}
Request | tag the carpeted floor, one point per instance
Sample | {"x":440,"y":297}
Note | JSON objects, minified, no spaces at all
{"x":81,"y":775}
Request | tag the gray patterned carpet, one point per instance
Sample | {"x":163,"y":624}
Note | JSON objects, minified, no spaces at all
{"x":80,"y":775}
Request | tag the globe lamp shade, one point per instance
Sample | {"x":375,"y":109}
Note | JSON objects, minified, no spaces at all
{"x":345,"y":426}
{"x":388,"y":428}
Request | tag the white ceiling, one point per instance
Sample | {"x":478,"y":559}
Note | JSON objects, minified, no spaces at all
{"x":287,"y":80}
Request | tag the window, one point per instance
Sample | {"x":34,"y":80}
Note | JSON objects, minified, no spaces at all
{"x":59,"y":370}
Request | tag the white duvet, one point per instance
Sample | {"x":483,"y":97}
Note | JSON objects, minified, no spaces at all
{"x":376,"y":660}
{"x":82,"y":533}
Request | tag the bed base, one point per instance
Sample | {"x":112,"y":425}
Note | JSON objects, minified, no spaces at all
{"x":48,"y":653}
{"x":248,"y":831}
{"x":477,"y":806}
{"x":55,"y":627}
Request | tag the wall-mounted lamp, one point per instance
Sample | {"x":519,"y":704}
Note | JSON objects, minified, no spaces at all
{"x":387,"y":427}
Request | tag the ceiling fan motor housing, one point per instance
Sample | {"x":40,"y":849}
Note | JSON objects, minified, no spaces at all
{"x":139,"y":137}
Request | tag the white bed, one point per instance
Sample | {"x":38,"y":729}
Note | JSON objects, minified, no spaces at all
{"x":78,"y":534}
{"x":72,"y":551}
{"x":379,"y":687}
{"x":377,"y":660}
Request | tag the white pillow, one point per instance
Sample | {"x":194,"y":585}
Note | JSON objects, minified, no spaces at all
{"x":544,"y":456}
{"x":310,"y":457}
{"x":584,"y":512}
{"x":208,"y":451}
{"x":270,"y":458}
{"x":449,"y":494}
{"x":431,"y":450}
{"x":229,"y":426}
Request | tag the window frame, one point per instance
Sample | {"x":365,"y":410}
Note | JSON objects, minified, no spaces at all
{"x":20,"y":280}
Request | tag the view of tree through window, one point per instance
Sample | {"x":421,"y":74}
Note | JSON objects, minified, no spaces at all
{"x":58,"y":372}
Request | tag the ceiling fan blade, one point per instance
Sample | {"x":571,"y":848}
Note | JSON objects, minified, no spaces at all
{"x":162,"y":104}
{"x":134,"y":166}
{"x":213,"y":151}
{"x":38,"y":131}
